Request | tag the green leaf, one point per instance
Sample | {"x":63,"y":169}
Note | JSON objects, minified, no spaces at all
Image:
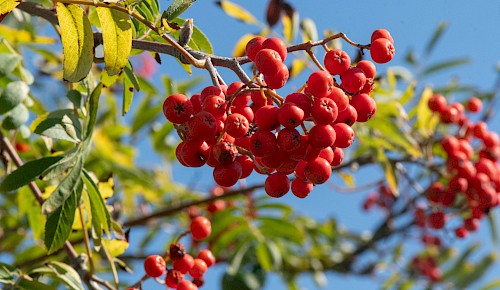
{"x":236,"y":11}
{"x":128,"y":95}
{"x":7,"y":5}
{"x":65,"y":189}
{"x":27,"y":173}
{"x":7,"y":273}
{"x":116,"y":37}
{"x":59,"y":223}
{"x":129,"y":74}
{"x":308,"y":30}
{"x":75,"y":97}
{"x":77,"y":41}
{"x":491,"y":286}
{"x":426,"y":120}
{"x":478,"y":271}
{"x":9,"y":61}
{"x":100,"y":215}
{"x":61,"y":272}
{"x":278,"y":228}
{"x":445,"y":65}
{"x":201,"y":40}
{"x":33,"y":284}
{"x":176,"y":9}
{"x":29,"y":205}
{"x":145,"y":114}
{"x":60,"y":124}
{"x":459,"y":263}
{"x":268,"y":255}
{"x":493,"y":226}
{"x":435,"y":37}
{"x":93,"y":105}
{"x":67,"y":160}
{"x":13,"y":95}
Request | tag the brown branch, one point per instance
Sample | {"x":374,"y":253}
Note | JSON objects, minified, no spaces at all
{"x":173,"y":210}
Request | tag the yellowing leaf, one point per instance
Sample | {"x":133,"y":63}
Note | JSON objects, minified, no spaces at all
{"x":7,"y":5}
{"x":426,"y":120}
{"x":16,"y":36}
{"x":116,"y":37}
{"x":308,"y":30}
{"x":236,"y":11}
{"x":298,"y":65}
{"x":390,"y":174}
{"x":48,"y":191}
{"x":347,"y":178}
{"x":290,"y":26}
{"x":106,"y":188}
{"x":241,"y":44}
{"x":115,"y":247}
{"x":77,"y":41}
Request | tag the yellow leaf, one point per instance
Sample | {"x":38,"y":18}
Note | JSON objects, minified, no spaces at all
{"x":426,"y":120}
{"x":7,"y":5}
{"x":289,"y":26}
{"x":106,"y":188}
{"x":22,"y":36}
{"x":77,"y":41}
{"x":115,"y":247}
{"x":347,"y":178}
{"x":236,"y":11}
{"x":48,"y":191}
{"x":390,"y":173}
{"x":298,"y":65}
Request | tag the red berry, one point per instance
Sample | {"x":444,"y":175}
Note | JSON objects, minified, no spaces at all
{"x":246,"y":165}
{"x":301,"y":188}
{"x":279,"y":79}
{"x":382,"y":50}
{"x":277,"y":45}
{"x":317,"y":171}
{"x":263,"y":143}
{"x":236,"y":125}
{"x":368,"y":68}
{"x":381,"y":33}
{"x":215,"y":105}
{"x":199,"y":268}
{"x":321,"y":136}
{"x":347,"y":116}
{"x":154,"y":266}
{"x":266,"y":118}
{"x":22,"y":147}
{"x":338,"y":157}
{"x":228,"y":174}
{"x":290,"y":115}
{"x":200,"y":228}
{"x":268,"y":62}
{"x":288,"y":139}
{"x":254,"y":46}
{"x":340,"y":98}
{"x":353,"y":80}
{"x":177,"y":108}
{"x":202,"y":125}
{"x":211,"y":91}
{"x":173,"y":278}
{"x":277,"y":184}
{"x":186,"y":285}
{"x":207,"y":256}
{"x":461,"y":232}
{"x":436,"y":220}
{"x":324,"y":111}
{"x":344,"y":135}
{"x":471,"y":224}
{"x":337,"y":61}
{"x":301,"y":100}
{"x":365,"y":107}
{"x":193,"y":153}
{"x":474,"y":104}
{"x":437,"y":103}
{"x":320,"y":84}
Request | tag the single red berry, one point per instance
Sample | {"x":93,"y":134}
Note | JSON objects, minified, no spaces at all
{"x":338,"y":157}
{"x":290,"y":115}
{"x":327,"y":154}
{"x":196,"y":103}
{"x":263,"y":143}
{"x":193,"y":153}
{"x":324,"y":111}
{"x":215,"y":105}
{"x":277,"y":45}
{"x":200,"y":228}
{"x":277,"y":184}
{"x":154,"y":266}
{"x":266,"y":118}
{"x":202,"y":125}
{"x":279,"y":79}
{"x":199,"y":268}
{"x":184,"y":264}
{"x":344,"y":135}
{"x":268,"y":62}
{"x":259,"y":100}
{"x":474,"y":104}
{"x":471,"y":224}
{"x":353,"y":80}
{"x":288,"y":139}
{"x":321,"y":136}
{"x":254,"y":46}
{"x":288,"y":166}
{"x":368,"y":68}
{"x":300,"y":152}
{"x":207,"y":256}
{"x":312,"y":153}
{"x":317,"y":171}
{"x":228,"y":174}
{"x":320,"y":84}
{"x":382,"y":50}
{"x":381,"y":33}
{"x":212,"y":91}
{"x":437,"y":103}
{"x":347,"y":116}
{"x":173,"y":278}
{"x":177,"y":108}
{"x":22,"y":147}
{"x":224,"y":152}
{"x":236,"y":125}
{"x":449,"y":115}
{"x":436,"y":220}
{"x":365,"y":107}
{"x":245,"y":111}
{"x":301,"y":188}
{"x":461,"y":232}
{"x":337,"y":61}
{"x":186,"y":285}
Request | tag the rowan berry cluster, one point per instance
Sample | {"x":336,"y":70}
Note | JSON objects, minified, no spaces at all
{"x":241,"y":128}
{"x":428,"y":267}
{"x":183,"y":263}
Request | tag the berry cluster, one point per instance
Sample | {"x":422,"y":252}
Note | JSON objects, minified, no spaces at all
{"x":240,"y":128}
{"x":182,"y":262}
{"x":427,"y":266}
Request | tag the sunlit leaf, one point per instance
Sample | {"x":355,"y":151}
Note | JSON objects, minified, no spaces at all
{"x":77,"y":41}
{"x":176,"y":8}
{"x":61,"y":272}
{"x":59,"y":124}
{"x":117,"y":38}
{"x":298,"y":65}
{"x":7,"y":5}
{"x":308,"y":30}
{"x":389,"y":170}
{"x":426,"y":120}
{"x":239,"y":48}
{"x":27,"y":173}
{"x":115,"y":247}
{"x":236,"y":11}
{"x":445,"y":65}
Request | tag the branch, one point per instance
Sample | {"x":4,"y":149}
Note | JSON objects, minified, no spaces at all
{"x":173,"y":210}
